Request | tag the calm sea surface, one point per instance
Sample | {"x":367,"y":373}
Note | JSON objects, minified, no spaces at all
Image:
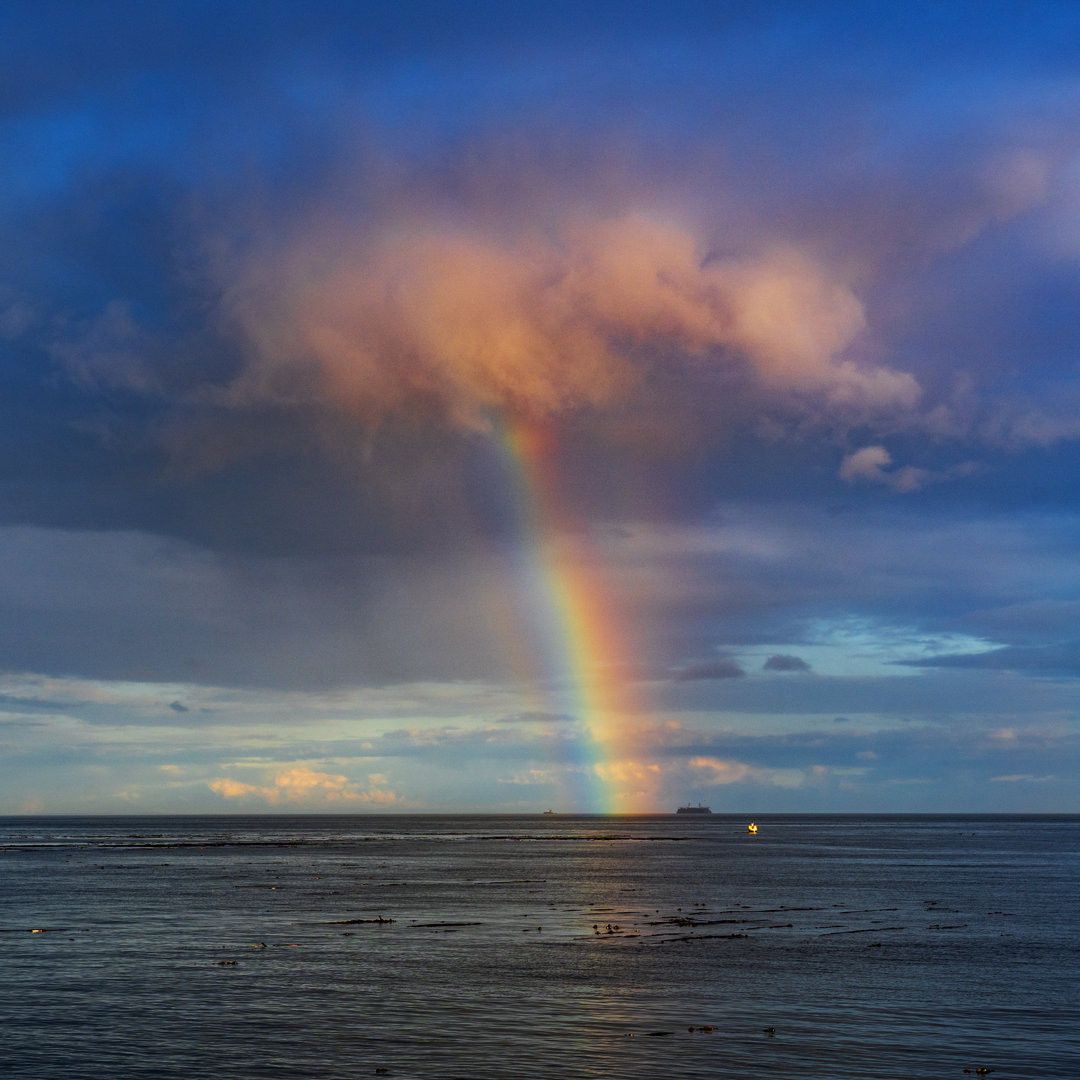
{"x":562,"y":947}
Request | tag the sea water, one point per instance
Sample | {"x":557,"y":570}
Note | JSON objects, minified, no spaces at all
{"x":541,"y":946}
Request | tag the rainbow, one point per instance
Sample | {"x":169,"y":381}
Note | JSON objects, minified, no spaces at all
{"x":585,"y":661}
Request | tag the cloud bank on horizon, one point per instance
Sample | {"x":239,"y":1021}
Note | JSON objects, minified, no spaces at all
{"x":791,"y":289}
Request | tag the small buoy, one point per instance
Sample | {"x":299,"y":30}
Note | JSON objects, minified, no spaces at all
{"x":752,"y":827}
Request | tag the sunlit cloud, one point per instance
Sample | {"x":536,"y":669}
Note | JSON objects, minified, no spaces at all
{"x":424,"y":314}
{"x":301,"y":784}
{"x":626,"y":771}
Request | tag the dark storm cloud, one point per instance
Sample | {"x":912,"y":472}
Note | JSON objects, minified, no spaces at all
{"x":709,"y":670}
{"x":949,"y":697}
{"x":783,"y":662}
{"x":132,"y":607}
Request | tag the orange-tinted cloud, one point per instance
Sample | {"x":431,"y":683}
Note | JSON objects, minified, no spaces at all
{"x":428,"y":315}
{"x":632,"y":784}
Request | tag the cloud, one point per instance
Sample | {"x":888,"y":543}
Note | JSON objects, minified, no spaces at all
{"x":532,"y":777}
{"x":717,"y":771}
{"x":536,"y":718}
{"x":782,"y":662}
{"x":421,"y":316}
{"x":721,"y":772}
{"x":722,"y":668}
{"x":301,"y":784}
{"x":630,"y":782}
{"x":626,"y":771}
{"x":869,"y":465}
{"x":1056,"y":659}
{"x":562,"y":261}
{"x":235,"y":789}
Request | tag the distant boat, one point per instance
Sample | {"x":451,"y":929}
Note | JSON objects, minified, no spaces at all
{"x":549,"y":811}
{"x":699,"y":809}
{"x":752,"y":827}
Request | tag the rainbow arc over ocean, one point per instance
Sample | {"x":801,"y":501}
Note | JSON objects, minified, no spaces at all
{"x":587,"y":661}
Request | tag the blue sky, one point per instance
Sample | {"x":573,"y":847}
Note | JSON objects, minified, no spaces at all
{"x":794,"y":288}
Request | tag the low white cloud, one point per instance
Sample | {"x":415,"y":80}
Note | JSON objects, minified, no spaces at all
{"x":718,"y":771}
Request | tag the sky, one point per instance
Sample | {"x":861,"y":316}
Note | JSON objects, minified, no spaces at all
{"x":492,"y":407}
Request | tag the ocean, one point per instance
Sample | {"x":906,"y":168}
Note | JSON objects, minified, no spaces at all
{"x":546,"y":946}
